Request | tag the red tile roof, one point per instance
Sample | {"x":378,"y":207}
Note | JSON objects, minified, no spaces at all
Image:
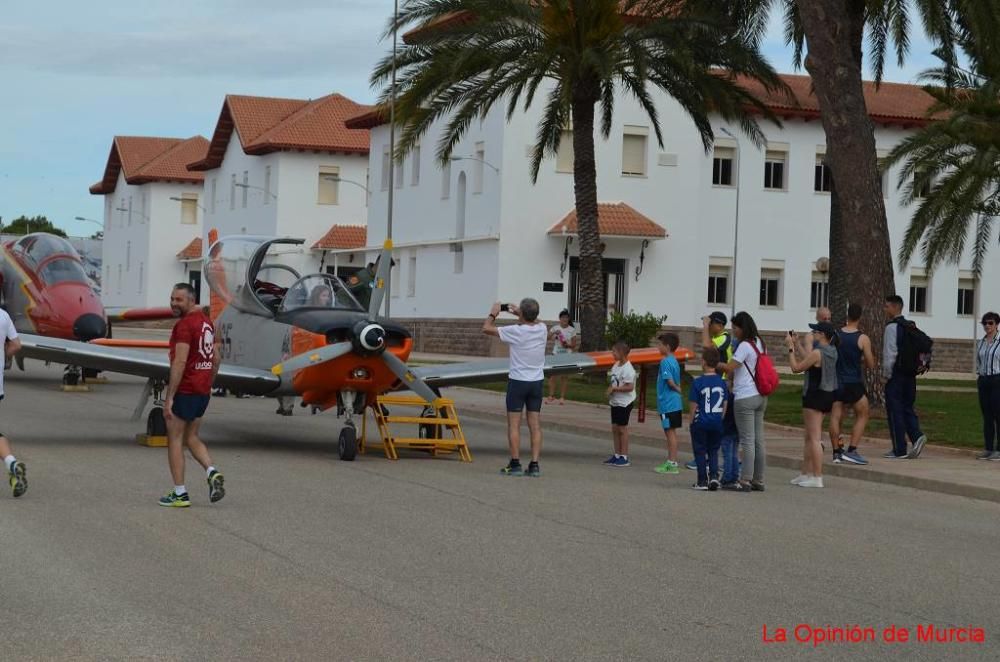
{"x":268,"y":125}
{"x":192,"y":251}
{"x":343,"y":236}
{"x":614,"y":219}
{"x":150,"y":159}
{"x":890,"y":103}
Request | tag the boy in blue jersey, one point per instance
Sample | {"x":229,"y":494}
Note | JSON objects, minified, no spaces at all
{"x":709,"y":399}
{"x":668,"y":399}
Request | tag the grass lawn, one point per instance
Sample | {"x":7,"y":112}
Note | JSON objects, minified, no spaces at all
{"x":951,"y":419}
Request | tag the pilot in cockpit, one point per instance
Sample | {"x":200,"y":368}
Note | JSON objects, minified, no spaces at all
{"x":321,"y":297}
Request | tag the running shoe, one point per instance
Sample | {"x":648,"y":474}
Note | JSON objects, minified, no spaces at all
{"x":18,"y":479}
{"x":533,"y":470}
{"x":512,"y":469}
{"x":216,"y":486}
{"x":985,"y":455}
{"x":854,"y":457}
{"x":838,"y":455}
{"x":891,"y":455}
{"x":611,"y":460}
{"x":995,"y":457}
{"x":173,"y":500}
{"x":756,"y":486}
{"x":701,"y":487}
{"x":692,"y":465}
{"x":798,"y":479}
{"x":732,"y":487}
{"x":621,"y":461}
{"x":812,"y":481}
{"x":667,"y":467}
{"x":713,"y":485}
{"x":918,"y":447}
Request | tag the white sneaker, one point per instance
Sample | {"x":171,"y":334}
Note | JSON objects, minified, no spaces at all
{"x":812,"y":481}
{"x":798,"y":479}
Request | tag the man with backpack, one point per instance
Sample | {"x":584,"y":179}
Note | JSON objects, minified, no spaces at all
{"x":905,"y":354}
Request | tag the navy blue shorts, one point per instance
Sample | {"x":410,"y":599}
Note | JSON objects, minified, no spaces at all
{"x":524,"y":394}
{"x":188,"y":407}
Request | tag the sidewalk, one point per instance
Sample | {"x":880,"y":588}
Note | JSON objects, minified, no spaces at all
{"x":939,"y":469}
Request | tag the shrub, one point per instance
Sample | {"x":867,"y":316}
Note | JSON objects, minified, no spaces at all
{"x":637,"y":330}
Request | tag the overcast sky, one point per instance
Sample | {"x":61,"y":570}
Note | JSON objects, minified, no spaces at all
{"x":74,"y":74}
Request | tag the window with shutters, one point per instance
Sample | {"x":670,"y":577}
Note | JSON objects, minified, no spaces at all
{"x":564,"y":155}
{"x":919,"y":298}
{"x":232,"y":191}
{"x":415,"y":167}
{"x":819,"y":291}
{"x":411,"y":276}
{"x":718,"y":284}
{"x":722,"y":166}
{"x":966,"y":297}
{"x":215,"y":193}
{"x":398,"y":177}
{"x":634,"y":151}
{"x":328,"y":185}
{"x":267,"y":185}
{"x":770,"y":288}
{"x":822,"y":178}
{"x":774,"y":170}
{"x":386,"y":164}
{"x":189,"y":209}
{"x":446,"y":181}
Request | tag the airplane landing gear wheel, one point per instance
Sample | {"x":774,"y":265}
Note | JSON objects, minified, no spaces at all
{"x":348,"y":446}
{"x":156,"y":425}
{"x":426,"y":431}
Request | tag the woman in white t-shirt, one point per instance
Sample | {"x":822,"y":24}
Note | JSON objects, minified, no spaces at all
{"x":748,"y":404}
{"x":565,"y":339}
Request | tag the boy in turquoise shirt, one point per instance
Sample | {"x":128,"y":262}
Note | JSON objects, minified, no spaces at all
{"x":668,"y":399}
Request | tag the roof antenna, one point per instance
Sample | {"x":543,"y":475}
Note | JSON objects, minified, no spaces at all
{"x":392,"y":155}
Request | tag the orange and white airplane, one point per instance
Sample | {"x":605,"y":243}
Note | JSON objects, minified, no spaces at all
{"x":309,"y":338}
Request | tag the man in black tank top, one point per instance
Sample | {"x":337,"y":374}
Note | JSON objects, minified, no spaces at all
{"x":854,"y":354}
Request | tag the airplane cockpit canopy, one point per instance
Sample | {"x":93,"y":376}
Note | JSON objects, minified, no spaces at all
{"x":319,"y":291}
{"x":52,"y":258}
{"x":252,"y":273}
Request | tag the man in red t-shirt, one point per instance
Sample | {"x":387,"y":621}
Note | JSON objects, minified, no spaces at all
{"x":194,"y":362}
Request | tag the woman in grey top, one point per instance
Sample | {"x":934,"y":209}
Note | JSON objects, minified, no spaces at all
{"x":820,"y":366}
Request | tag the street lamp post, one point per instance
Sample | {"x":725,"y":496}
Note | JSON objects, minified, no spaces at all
{"x":90,"y":220}
{"x":256,"y":188}
{"x":476,"y":158}
{"x":194,"y":200}
{"x":736,"y":222}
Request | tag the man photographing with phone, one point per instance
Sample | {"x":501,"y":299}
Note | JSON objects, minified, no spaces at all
{"x":526,"y":379}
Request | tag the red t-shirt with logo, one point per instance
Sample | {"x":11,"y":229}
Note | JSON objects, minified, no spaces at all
{"x":195,"y":330}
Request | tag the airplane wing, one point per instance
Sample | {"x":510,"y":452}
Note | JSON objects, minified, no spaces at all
{"x":142,"y":364}
{"x":454,"y":374}
{"x":138,"y":314}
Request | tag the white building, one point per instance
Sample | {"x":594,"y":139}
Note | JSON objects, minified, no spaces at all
{"x":151,"y":213}
{"x":476,"y":230}
{"x":288,"y":167}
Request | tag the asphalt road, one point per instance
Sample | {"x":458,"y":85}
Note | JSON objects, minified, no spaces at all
{"x":312,"y":558}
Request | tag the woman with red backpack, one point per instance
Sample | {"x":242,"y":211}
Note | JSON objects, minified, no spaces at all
{"x":754,"y":378}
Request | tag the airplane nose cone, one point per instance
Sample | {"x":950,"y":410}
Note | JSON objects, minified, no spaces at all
{"x":89,"y":326}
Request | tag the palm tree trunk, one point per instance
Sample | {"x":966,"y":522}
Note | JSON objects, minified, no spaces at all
{"x":860,"y":252}
{"x":591,"y":301}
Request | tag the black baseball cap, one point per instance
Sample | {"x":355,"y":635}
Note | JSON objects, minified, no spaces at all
{"x":718,"y":317}
{"x":825,"y":328}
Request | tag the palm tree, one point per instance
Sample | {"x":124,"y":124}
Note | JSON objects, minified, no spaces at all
{"x":831,"y":34}
{"x":951,"y":168}
{"x":470,"y":55}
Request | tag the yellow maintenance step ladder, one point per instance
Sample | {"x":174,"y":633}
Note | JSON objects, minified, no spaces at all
{"x":441,"y":433}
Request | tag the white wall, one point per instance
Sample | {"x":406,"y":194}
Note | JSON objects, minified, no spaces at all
{"x":790,"y":226}
{"x":144,"y":250}
{"x":293,"y":210}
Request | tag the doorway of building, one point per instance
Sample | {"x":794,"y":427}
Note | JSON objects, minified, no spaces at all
{"x":613,"y":273}
{"x":194,"y":279}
